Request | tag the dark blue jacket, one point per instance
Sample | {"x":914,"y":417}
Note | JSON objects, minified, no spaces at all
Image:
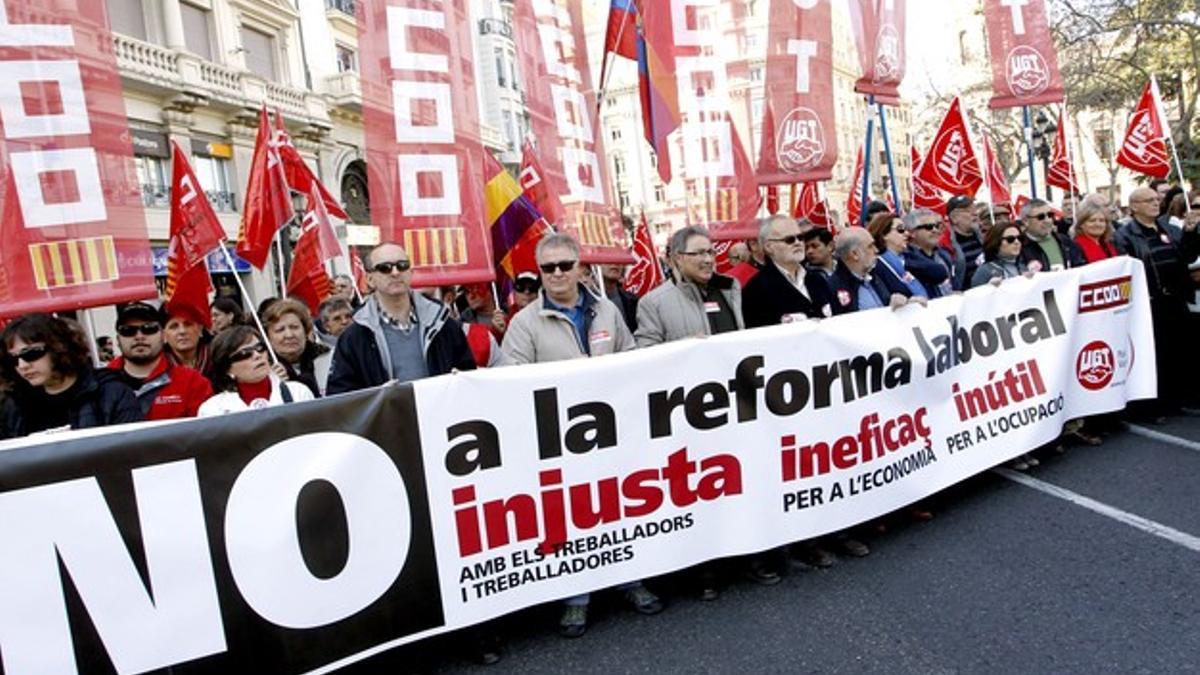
{"x":769,"y":296}
{"x":98,"y":399}
{"x":931,"y":271}
{"x":845,"y":287}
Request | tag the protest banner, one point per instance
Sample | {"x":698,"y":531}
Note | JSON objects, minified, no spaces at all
{"x":307,"y":537}
{"x":73,"y":224}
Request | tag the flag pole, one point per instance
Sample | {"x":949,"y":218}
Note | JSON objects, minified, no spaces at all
{"x":245,"y":294}
{"x":1029,"y":152}
{"x":1062,"y":119}
{"x":866,"y":180}
{"x":1162,"y":114}
{"x":887,"y":150}
{"x":604,"y":63}
{"x":279,"y":259}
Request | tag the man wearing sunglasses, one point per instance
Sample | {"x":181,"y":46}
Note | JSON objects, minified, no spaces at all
{"x":1043,"y":247}
{"x":964,"y":228}
{"x":1165,"y":252}
{"x":397,"y":334}
{"x":784,"y":290}
{"x":165,"y":390}
{"x":932,"y":265}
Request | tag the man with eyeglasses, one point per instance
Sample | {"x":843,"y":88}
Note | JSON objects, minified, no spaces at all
{"x":397,"y":334}
{"x":939,"y":272}
{"x":1043,"y":247}
{"x":1166,"y":253}
{"x":697,"y":301}
{"x":165,"y":390}
{"x":784,"y":291}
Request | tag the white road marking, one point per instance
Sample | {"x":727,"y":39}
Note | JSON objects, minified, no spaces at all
{"x":1165,"y":438}
{"x":1146,"y":525}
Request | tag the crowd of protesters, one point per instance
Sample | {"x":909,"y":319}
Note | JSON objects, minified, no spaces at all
{"x":173,"y":365}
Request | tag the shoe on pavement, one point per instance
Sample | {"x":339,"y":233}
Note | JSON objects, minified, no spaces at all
{"x":815,"y":556}
{"x":1018,"y":464}
{"x":1031,"y":460}
{"x":853,"y":547}
{"x":574,"y":621}
{"x":920,"y":515}
{"x":761,"y":575}
{"x":643,"y":601}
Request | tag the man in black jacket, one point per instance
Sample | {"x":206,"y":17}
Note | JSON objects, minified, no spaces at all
{"x":854,"y":285}
{"x":1043,"y":244}
{"x":1165,"y":252}
{"x":397,"y":334}
{"x":784,"y":290}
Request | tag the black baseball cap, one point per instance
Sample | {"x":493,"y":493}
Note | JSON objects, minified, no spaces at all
{"x":139,"y":310}
{"x":958,"y":202}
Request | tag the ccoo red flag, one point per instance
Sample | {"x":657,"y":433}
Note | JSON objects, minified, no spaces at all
{"x":268,"y":204}
{"x":1061,"y":173}
{"x":1145,"y":147}
{"x":996,"y":179}
{"x":951,"y":163}
{"x":811,"y":205}
{"x":195,"y":232}
{"x":308,"y":279}
{"x":646,"y":273}
{"x":537,"y":189}
{"x":300,"y":176}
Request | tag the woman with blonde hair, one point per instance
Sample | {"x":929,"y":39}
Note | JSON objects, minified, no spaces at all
{"x":1093,"y":231}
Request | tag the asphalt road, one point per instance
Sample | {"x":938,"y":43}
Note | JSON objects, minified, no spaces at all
{"x":1007,"y":578}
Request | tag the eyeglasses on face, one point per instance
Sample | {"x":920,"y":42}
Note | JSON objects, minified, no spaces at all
{"x":526,"y":287}
{"x":30,"y":354}
{"x":932,"y":227}
{"x":1010,"y":238}
{"x":705,"y":253}
{"x":387,"y":267}
{"x":247,"y":353}
{"x":1041,"y":216}
{"x":789,"y":240}
{"x":563,"y":266}
{"x":144,"y":329}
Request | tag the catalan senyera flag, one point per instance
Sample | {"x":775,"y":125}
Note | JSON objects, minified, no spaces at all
{"x":516,"y":225}
{"x":195,"y":232}
{"x":268,"y":205}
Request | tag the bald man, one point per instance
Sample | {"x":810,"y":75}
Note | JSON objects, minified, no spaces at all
{"x":1166,"y":253}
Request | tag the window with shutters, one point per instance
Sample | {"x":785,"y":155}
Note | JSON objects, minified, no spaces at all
{"x":260,"y":53}
{"x":128,"y":17}
{"x":197,"y":30}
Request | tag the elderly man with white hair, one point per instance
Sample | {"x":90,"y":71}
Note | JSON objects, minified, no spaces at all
{"x":854,"y":284}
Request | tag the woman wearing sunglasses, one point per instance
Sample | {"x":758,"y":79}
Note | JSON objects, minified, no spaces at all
{"x":47,"y":371}
{"x":891,"y":240}
{"x":242,"y":376}
{"x":1002,"y":255}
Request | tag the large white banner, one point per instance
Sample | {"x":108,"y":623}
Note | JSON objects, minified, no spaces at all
{"x":305,"y":537}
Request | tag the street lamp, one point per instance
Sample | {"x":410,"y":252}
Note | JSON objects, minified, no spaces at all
{"x":1044,"y":128}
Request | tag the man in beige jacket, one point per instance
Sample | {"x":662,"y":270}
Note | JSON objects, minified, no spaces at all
{"x":568,"y":322}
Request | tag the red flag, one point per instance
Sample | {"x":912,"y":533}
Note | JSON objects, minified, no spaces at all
{"x":424,"y":150}
{"x":308,"y":279}
{"x":996,"y":180}
{"x":551,"y":47}
{"x":951,"y":163}
{"x":195,"y":232}
{"x":1144,"y":149}
{"x":772,"y":199}
{"x":734,"y":206}
{"x":74,"y":227}
{"x":646,"y":273}
{"x":1024,"y":63}
{"x":854,"y":204}
{"x":1062,"y":173}
{"x":891,"y":201}
{"x":656,"y":83}
{"x":621,"y":36}
{"x":879,"y":31}
{"x":299,"y":175}
{"x":800,"y":143}
{"x":537,"y":189}
{"x":924,"y":195}
{"x":360,"y":273}
{"x":723,"y":264}
{"x":268,"y":205}
{"x":811,"y":205}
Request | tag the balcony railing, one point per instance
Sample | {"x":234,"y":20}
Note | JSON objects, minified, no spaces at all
{"x":343,"y":6}
{"x":159,"y":196}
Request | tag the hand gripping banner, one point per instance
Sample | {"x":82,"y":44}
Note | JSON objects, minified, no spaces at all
{"x":556,"y":74}
{"x":1024,"y":61}
{"x":424,"y":151}
{"x":800,"y":144}
{"x":308,"y":536}
{"x":74,"y":229}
